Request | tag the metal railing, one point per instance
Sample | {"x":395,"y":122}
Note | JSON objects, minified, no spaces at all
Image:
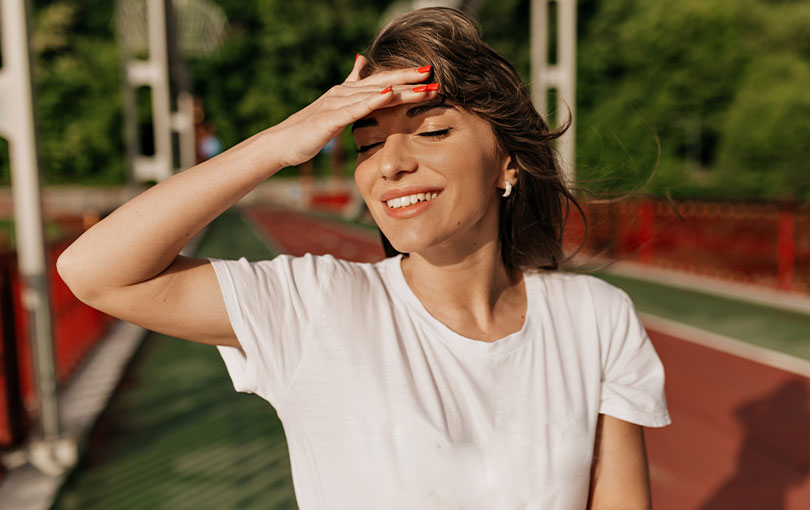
{"x":759,"y":243}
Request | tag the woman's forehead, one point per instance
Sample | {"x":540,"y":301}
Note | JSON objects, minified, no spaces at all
{"x":409,"y":111}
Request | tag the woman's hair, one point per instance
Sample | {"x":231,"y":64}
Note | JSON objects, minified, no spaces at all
{"x":475,"y":77}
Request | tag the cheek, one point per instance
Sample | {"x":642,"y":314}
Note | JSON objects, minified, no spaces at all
{"x":363,"y":179}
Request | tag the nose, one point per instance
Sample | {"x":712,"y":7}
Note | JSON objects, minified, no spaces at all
{"x":396,"y":158}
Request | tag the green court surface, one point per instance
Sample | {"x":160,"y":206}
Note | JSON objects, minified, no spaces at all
{"x":176,"y":435}
{"x":768,"y":327}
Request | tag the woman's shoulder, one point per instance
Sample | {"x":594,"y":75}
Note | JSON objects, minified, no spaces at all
{"x":578,"y":286}
{"x":311,"y":261}
{"x":336,"y":271}
{"x":308,"y":269}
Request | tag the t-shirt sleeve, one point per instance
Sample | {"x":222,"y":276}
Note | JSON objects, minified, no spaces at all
{"x":270,"y":304}
{"x":632,"y":372}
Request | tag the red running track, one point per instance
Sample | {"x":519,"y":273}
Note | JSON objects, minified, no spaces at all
{"x":740,"y":437}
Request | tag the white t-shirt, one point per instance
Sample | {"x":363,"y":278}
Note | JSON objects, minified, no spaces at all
{"x":386,"y":407}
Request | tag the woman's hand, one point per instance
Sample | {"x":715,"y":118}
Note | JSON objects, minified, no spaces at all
{"x":306,"y":132}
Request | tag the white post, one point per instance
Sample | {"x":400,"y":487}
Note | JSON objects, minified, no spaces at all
{"x":183,"y":124}
{"x":17,"y":126}
{"x":154,"y":73}
{"x":560,"y":76}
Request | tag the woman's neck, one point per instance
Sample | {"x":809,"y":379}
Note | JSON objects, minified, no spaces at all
{"x":472,"y":293}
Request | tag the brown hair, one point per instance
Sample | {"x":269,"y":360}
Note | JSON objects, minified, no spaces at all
{"x":475,"y":77}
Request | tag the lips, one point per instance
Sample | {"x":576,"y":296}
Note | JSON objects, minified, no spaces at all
{"x":408,"y":191}
{"x":407,"y":200}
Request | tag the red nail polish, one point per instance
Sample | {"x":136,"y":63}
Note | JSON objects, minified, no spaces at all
{"x":356,"y":56}
{"x":424,"y":69}
{"x":432,"y":86}
{"x":420,"y":88}
{"x":387,"y":89}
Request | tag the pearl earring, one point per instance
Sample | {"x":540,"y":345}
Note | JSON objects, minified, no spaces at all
{"x":508,"y":190}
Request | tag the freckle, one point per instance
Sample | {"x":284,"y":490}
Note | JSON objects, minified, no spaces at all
{"x":459,"y":223}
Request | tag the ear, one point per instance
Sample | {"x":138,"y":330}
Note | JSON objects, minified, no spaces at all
{"x":508,"y":172}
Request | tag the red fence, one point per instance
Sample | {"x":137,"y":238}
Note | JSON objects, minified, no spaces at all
{"x":76,"y":328}
{"x":764,"y":244}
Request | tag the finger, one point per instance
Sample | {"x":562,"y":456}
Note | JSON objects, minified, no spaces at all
{"x":398,"y":76}
{"x":375,"y":101}
{"x":359,"y":62}
{"x":348,"y":90}
{"x":413,"y":94}
{"x":363,"y":106}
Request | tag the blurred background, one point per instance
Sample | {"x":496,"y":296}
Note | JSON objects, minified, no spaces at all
{"x":691,"y":157}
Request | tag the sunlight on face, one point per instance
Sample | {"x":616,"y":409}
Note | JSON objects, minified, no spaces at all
{"x":428,"y":174}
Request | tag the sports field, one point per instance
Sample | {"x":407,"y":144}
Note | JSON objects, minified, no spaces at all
{"x":177,"y":436}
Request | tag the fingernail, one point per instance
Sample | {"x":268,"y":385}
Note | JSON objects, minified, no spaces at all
{"x":420,"y":88}
{"x":432,"y":86}
{"x":424,"y":69}
{"x":356,"y":56}
{"x":387,"y":89}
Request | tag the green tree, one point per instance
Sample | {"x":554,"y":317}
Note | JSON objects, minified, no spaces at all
{"x":766,"y":143}
{"x":280,"y":56}
{"x":713,"y":80}
{"x":76,"y":71}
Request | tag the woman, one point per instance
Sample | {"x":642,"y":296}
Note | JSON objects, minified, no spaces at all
{"x":467,"y":374}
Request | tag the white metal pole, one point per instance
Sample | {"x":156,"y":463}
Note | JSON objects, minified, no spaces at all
{"x":154,"y":72}
{"x":17,"y":126}
{"x":567,"y":64}
{"x":560,"y":76}
{"x":540,"y":72}
{"x":161,"y":104}
{"x":183,"y":124}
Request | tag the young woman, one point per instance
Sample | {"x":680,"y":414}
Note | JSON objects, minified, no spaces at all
{"x":469,"y":373}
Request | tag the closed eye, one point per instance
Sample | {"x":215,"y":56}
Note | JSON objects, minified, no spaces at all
{"x":364,"y":148}
{"x":436,"y":134}
{"x":439,"y":134}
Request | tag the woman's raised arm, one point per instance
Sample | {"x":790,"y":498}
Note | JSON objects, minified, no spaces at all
{"x":128,"y":266}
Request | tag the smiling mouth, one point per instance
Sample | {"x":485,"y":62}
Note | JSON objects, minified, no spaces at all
{"x":405,"y":201}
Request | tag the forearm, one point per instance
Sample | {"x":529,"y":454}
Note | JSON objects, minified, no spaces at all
{"x":142,"y":237}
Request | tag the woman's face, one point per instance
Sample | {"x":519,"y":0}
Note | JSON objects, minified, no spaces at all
{"x":439,"y":156}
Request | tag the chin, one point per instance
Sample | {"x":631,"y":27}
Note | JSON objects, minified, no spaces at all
{"x":406,"y":246}
{"x":408,"y":242}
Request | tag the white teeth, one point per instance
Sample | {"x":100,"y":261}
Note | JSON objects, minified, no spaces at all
{"x":407,"y":200}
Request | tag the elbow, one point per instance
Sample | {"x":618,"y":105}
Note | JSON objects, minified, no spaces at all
{"x":66,"y":269}
{"x":63,"y":268}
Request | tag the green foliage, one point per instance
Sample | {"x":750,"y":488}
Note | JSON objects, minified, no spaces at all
{"x":665,"y":69}
{"x":76,"y":68}
{"x":766,"y":145}
{"x":505,"y":27}
{"x":707,"y":79}
{"x":280,"y":56}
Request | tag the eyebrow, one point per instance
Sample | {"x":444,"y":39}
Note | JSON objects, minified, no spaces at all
{"x":412,"y":112}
